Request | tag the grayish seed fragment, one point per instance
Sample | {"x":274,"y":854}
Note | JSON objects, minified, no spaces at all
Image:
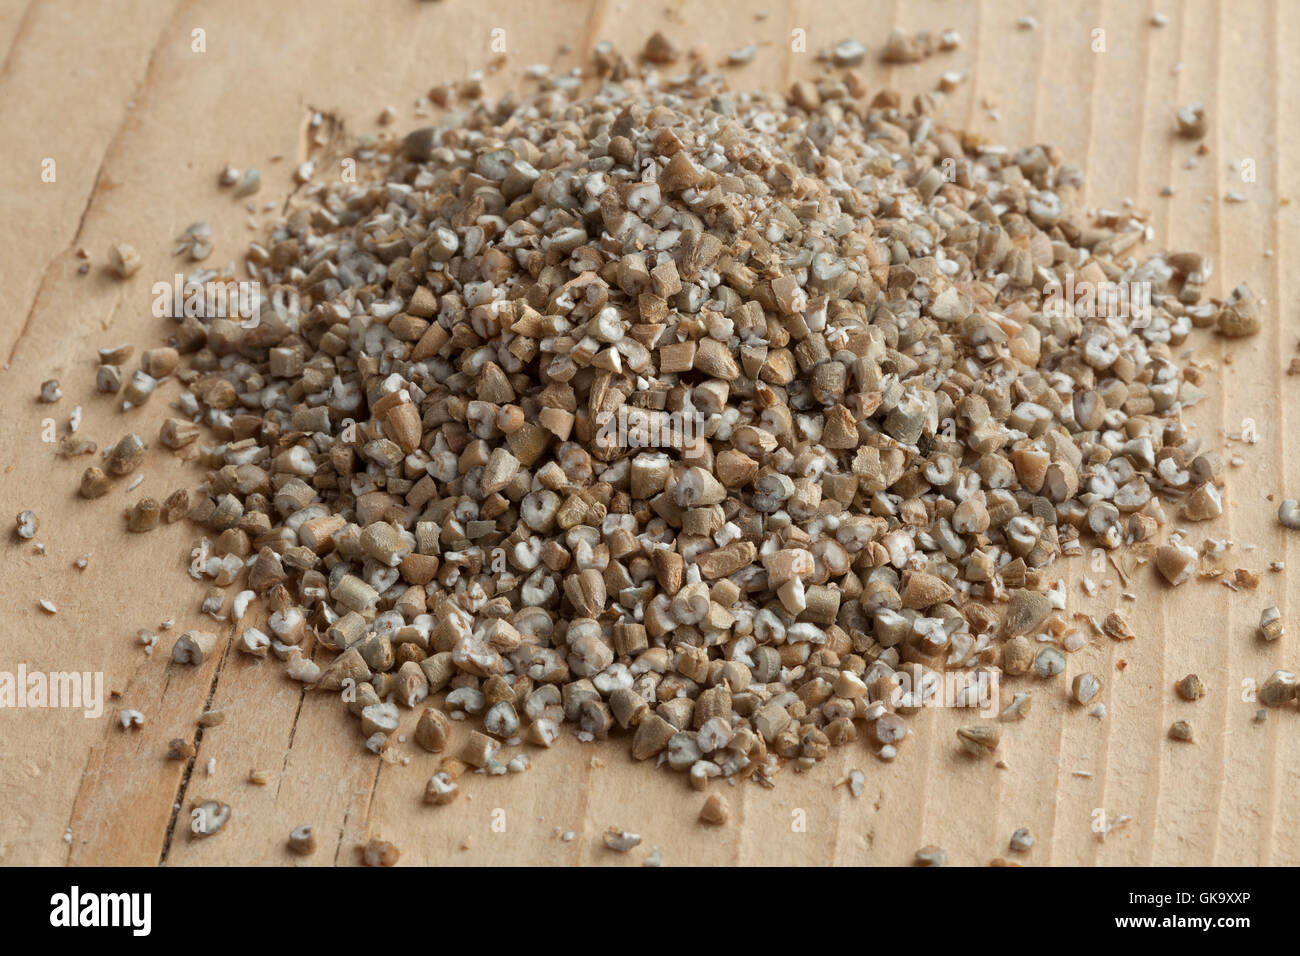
{"x":620,"y":841}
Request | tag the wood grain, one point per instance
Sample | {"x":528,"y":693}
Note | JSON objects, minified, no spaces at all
{"x":139,"y":124}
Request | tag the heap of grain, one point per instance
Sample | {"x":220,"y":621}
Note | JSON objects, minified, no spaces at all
{"x":881,"y":420}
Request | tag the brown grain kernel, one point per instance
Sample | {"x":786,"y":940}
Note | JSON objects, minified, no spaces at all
{"x":144,"y":515}
{"x":123,"y":260}
{"x":660,"y":49}
{"x":1190,"y":688}
{"x":177,"y":433}
{"x":176,"y":505}
{"x":980,"y":739}
{"x":715,"y":811}
{"x":180,"y":749}
{"x":1028,"y":610}
{"x":126,"y":455}
{"x":1176,"y":563}
{"x":1116,"y":627}
{"x":1280,"y":688}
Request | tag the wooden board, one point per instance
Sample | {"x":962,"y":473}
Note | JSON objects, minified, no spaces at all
{"x":139,"y":123}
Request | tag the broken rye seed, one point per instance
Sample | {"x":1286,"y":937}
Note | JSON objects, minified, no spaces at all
{"x":897,"y":433}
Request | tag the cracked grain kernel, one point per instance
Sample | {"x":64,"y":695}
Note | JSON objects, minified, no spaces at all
{"x":26,"y":525}
{"x":931,"y":856}
{"x":1086,"y":686}
{"x":1049,"y":662}
{"x":1270,"y":624}
{"x":208,"y":818}
{"x":378,"y":852}
{"x":441,"y":789}
{"x":980,"y":740}
{"x":1176,"y":563}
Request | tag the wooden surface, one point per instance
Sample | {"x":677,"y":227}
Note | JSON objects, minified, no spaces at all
{"x":139,"y":125}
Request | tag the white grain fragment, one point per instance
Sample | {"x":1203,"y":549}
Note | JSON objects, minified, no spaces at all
{"x":620,"y":841}
{"x":742,"y":55}
{"x":303,"y":669}
{"x":857,"y":781}
{"x":849,"y":53}
{"x":239,"y":606}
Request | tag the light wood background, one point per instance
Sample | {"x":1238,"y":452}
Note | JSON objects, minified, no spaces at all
{"x":139,"y":126}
